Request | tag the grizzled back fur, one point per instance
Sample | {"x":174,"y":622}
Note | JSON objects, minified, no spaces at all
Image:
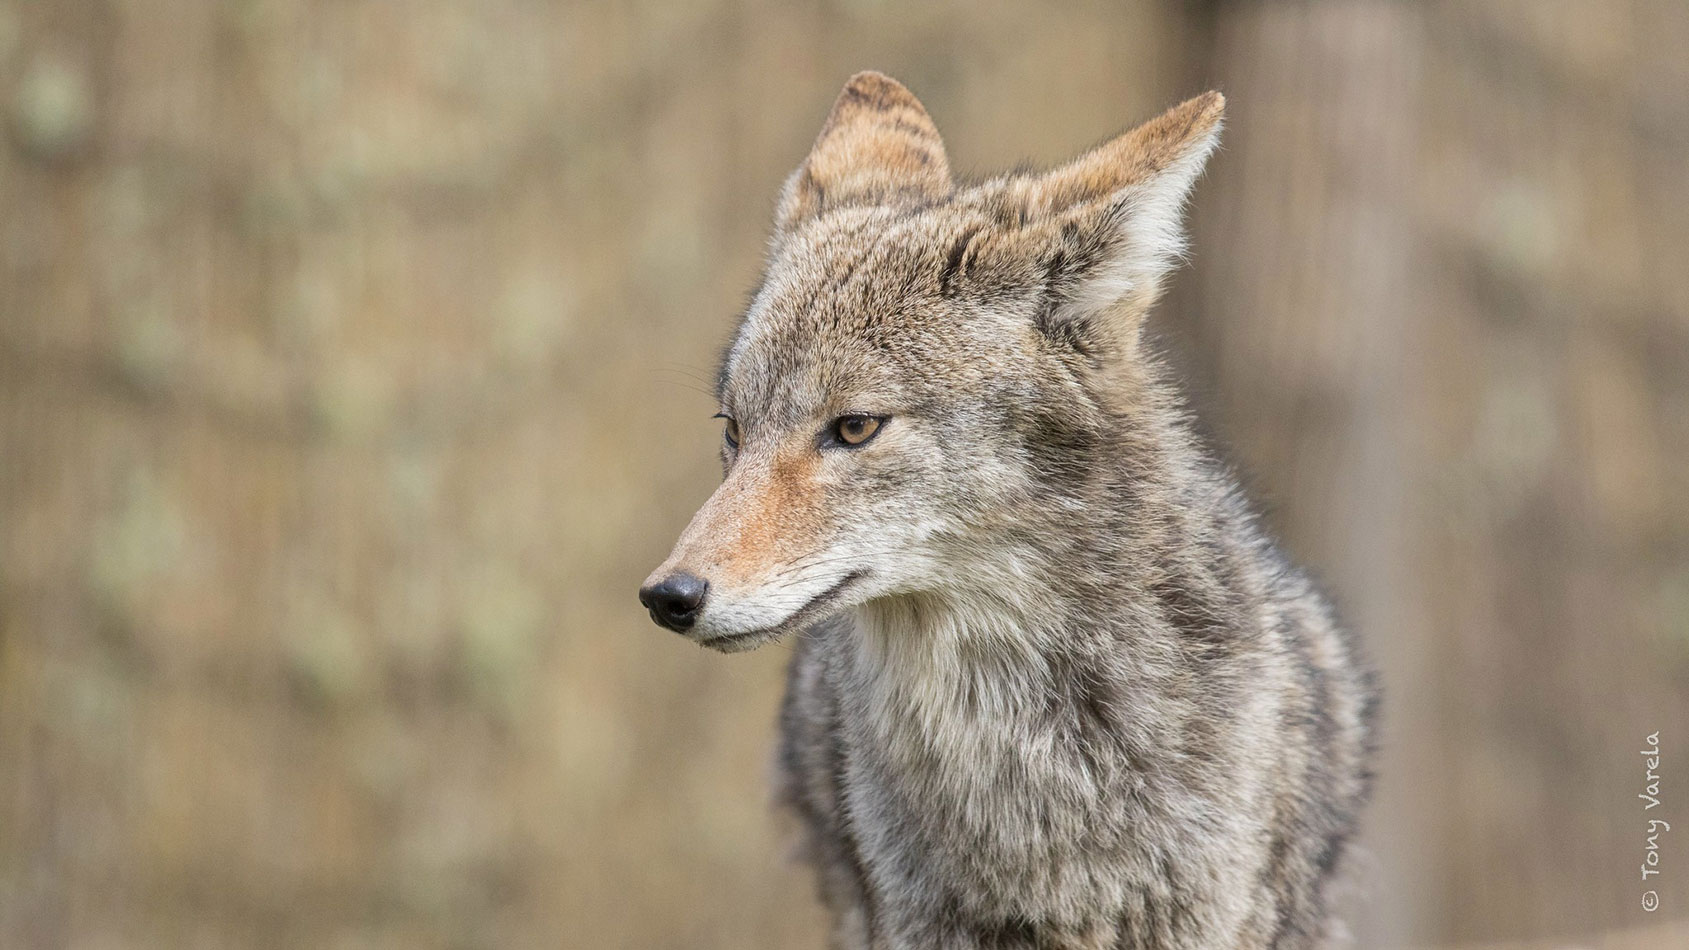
{"x":1052,"y":686}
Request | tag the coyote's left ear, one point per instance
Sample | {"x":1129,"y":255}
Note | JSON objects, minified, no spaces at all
{"x":1111,"y":219}
{"x":878,"y":146}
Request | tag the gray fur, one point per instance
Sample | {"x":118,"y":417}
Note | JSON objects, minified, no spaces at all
{"x":1052,"y":685}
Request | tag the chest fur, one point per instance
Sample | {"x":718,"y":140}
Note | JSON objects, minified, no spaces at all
{"x":974,"y":775}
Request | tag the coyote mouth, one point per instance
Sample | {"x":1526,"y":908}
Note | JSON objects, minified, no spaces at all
{"x":811,"y":610}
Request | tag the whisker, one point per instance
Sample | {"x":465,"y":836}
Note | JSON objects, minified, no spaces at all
{"x":805,"y":565}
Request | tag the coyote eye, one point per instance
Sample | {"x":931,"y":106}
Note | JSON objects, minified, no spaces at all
{"x":730,"y":430}
{"x":854,"y":430}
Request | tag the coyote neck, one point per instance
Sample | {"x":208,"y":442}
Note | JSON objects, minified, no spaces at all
{"x":937,"y":683}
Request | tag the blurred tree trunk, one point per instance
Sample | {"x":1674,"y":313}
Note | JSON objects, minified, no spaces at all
{"x":1433,"y":315}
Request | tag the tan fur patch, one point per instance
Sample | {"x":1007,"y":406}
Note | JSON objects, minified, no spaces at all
{"x":1130,"y":158}
{"x":878,"y":143}
{"x":780,"y":522}
{"x":763,"y":517}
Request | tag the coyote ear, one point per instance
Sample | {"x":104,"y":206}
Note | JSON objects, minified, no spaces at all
{"x":1112,"y":217}
{"x":877,"y":145}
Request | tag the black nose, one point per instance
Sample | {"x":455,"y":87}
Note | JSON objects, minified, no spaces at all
{"x":674,"y":602}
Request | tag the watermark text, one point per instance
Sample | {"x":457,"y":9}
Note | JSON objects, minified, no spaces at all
{"x":1656,"y":827}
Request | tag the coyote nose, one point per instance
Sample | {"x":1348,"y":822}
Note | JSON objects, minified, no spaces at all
{"x":674,"y":602}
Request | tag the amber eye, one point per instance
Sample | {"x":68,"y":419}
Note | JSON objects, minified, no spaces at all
{"x":854,"y":430}
{"x":729,"y":431}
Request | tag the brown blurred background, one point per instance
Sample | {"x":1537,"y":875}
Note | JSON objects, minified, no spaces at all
{"x":354,"y":369}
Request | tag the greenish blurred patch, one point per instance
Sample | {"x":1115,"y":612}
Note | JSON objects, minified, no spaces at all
{"x":149,"y":347}
{"x":53,"y":108}
{"x":354,"y":400}
{"x":1522,"y":226}
{"x":534,"y":314}
{"x":142,"y":541}
{"x":499,"y":619}
{"x":328,"y":655}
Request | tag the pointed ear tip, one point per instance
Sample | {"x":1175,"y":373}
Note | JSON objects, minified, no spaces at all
{"x":870,"y":77}
{"x":1207,"y":109}
{"x":872,"y":81}
{"x":873,"y":86}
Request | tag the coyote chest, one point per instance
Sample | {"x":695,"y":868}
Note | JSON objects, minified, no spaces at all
{"x":955,"y":758}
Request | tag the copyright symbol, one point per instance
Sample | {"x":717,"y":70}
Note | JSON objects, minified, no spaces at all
{"x":1650,"y":902}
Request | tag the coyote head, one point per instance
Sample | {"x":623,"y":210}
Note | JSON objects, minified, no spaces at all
{"x":923,"y":362}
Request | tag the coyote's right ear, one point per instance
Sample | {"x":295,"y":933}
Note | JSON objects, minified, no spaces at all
{"x":878,"y":145}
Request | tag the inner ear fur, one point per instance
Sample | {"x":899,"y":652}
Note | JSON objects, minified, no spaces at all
{"x":877,"y":146}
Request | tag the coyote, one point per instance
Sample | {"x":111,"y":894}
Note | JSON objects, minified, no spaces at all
{"x":1052,"y":686}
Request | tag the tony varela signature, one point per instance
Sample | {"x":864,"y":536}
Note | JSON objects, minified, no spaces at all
{"x":1656,"y":826}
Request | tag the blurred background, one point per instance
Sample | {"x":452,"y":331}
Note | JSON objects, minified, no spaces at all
{"x":354,"y":369}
